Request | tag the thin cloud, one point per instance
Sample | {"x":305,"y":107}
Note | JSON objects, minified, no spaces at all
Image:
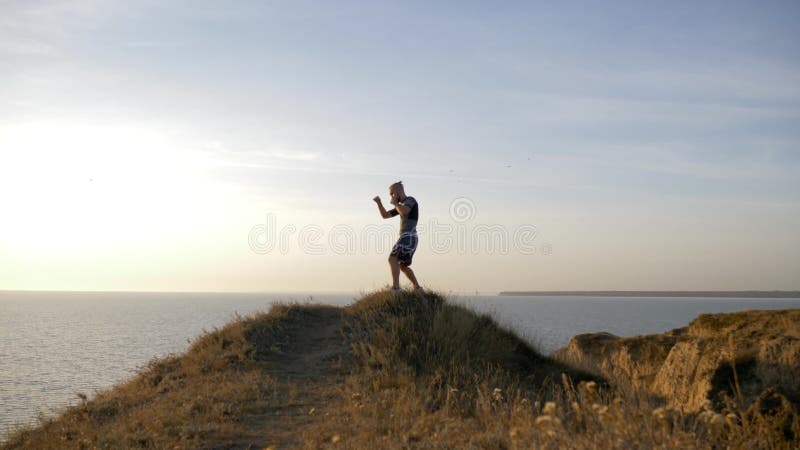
{"x":28,"y":47}
{"x":260,"y":156}
{"x":150,"y":44}
{"x":295,"y":156}
{"x":317,"y":169}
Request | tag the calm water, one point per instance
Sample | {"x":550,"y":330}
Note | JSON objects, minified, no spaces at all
{"x":54,"y":344}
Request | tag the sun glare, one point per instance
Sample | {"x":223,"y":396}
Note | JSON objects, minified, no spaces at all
{"x":83,"y":186}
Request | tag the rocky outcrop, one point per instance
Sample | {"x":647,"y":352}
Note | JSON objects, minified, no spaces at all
{"x":737,"y":354}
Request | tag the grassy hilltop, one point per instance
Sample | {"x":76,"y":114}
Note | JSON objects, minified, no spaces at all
{"x":388,"y":371}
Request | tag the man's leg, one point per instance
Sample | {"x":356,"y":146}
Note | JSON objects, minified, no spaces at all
{"x":395,"y":268}
{"x":410,"y":274}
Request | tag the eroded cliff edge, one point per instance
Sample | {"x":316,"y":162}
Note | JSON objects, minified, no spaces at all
{"x":746,"y":353}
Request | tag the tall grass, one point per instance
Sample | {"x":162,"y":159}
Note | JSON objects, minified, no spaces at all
{"x":431,"y":374}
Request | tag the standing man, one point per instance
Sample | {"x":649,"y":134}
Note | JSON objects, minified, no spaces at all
{"x":403,"y":250}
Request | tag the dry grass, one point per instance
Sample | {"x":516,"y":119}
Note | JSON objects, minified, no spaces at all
{"x":210,"y":394}
{"x":435,"y":375}
{"x":420,"y":373}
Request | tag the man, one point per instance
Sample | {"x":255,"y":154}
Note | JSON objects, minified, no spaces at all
{"x":403,"y":250}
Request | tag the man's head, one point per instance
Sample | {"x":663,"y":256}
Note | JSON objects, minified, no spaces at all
{"x":396,"y":191}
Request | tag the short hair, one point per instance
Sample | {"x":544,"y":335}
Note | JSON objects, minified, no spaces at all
{"x":397,"y":183}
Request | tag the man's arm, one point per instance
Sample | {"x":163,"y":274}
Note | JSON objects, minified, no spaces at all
{"x":405,"y":208}
{"x":384,"y":213}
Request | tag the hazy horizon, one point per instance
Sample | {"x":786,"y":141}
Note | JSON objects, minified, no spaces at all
{"x":360,"y":292}
{"x":166,"y":147}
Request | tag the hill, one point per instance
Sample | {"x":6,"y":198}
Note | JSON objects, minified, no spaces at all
{"x":391,"y":371}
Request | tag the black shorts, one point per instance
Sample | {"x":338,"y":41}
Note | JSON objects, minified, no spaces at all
{"x":405,"y":247}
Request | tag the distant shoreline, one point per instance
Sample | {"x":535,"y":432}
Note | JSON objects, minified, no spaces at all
{"x":721,"y":294}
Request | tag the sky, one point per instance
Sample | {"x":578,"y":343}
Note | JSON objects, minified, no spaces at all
{"x":237,"y":146}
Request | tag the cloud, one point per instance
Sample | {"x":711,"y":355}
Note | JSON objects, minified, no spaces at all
{"x":295,"y":156}
{"x":257,"y":157}
{"x":34,"y":26}
{"x":150,"y":44}
{"x":27,"y":47}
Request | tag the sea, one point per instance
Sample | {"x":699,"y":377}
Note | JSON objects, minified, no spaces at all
{"x":54,"y":345}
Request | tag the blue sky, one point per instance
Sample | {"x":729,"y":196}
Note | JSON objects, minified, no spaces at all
{"x":652,"y":145}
